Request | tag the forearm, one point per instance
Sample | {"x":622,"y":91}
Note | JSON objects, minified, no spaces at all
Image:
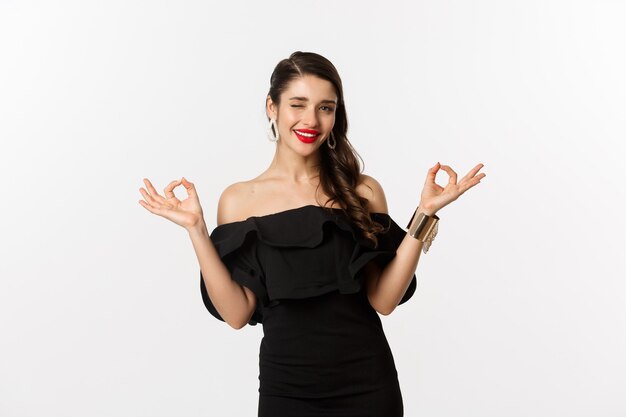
{"x":228,"y":297}
{"x":395,"y":278}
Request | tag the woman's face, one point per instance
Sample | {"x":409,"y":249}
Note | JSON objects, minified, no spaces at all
{"x":307,"y":106}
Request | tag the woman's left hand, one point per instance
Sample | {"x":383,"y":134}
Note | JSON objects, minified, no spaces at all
{"x":434,"y":197}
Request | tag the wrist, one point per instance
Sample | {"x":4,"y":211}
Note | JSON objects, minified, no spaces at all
{"x":423,"y":226}
{"x":426,"y":210}
{"x":198,"y":229}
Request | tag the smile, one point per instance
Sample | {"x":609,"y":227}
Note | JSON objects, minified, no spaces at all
{"x":307,"y":136}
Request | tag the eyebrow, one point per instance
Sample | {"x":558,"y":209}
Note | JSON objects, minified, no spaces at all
{"x":306,"y":99}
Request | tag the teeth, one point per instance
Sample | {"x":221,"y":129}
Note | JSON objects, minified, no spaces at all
{"x":308,"y":135}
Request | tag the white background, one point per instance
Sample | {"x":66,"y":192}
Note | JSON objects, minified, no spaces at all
{"x":520,"y":306}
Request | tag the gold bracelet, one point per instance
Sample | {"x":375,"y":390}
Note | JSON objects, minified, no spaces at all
{"x":424,"y":229}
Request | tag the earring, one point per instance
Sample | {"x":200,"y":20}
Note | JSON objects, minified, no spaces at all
{"x":332,"y":136}
{"x":270,"y":133}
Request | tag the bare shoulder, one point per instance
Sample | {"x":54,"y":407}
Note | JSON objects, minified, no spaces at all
{"x":371,"y":189}
{"x":234,"y":201}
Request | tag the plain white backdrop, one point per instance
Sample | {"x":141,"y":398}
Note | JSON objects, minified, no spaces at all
{"x":520,"y":305}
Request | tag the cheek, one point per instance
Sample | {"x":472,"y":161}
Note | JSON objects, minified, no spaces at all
{"x":288,"y":122}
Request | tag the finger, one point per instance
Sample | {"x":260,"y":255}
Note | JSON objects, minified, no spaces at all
{"x":473,"y":171}
{"x":191,"y":189}
{"x":470,"y":183}
{"x":158,"y":210}
{"x":432,"y":173}
{"x":451,"y":173}
{"x":169,"y":190}
{"x":149,"y":199}
{"x":148,"y":207}
{"x":153,"y":192}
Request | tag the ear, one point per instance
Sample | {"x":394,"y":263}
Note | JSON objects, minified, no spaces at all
{"x":270,"y":108}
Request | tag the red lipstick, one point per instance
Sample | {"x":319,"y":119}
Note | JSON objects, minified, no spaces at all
{"x":311,"y":136}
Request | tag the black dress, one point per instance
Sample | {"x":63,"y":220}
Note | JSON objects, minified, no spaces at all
{"x":324,"y":351}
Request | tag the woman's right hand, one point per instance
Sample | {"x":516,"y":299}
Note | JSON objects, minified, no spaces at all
{"x":186,"y":213}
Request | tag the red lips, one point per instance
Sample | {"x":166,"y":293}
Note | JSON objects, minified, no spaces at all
{"x":307,"y":139}
{"x":313,"y":132}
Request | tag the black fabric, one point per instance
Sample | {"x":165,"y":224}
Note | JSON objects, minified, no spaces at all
{"x":386,"y":402}
{"x":283,"y":241}
{"x":322,"y":339}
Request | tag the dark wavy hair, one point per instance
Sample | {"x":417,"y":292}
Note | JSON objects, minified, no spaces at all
{"x":340,"y":169}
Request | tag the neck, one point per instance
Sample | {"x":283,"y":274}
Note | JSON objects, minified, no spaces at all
{"x":293,"y":167}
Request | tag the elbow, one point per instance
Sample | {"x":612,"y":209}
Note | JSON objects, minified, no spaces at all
{"x":241,"y":322}
{"x":238,"y":323}
{"x":379,"y":307}
{"x":386,"y":311}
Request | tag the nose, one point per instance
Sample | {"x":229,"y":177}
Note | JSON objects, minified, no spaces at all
{"x":310,"y":118}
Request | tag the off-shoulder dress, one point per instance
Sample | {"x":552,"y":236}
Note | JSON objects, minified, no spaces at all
{"x":323,"y":351}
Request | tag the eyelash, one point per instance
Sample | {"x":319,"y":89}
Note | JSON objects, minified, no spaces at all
{"x":330,"y":109}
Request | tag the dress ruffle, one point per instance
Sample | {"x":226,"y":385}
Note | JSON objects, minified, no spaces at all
{"x":249,"y":249}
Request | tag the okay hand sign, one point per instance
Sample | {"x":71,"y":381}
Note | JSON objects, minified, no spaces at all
{"x":186,"y":213}
{"x":435,"y":197}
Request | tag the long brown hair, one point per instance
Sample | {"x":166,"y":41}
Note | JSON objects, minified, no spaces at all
{"x":340,"y":169}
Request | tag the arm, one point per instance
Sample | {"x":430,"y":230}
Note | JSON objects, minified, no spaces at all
{"x":386,"y":287}
{"x":234,"y":303}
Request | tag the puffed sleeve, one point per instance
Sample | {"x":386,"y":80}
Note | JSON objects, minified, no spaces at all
{"x":388,"y":243}
{"x":237,"y":250}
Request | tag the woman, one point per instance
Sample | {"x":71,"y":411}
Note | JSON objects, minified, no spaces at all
{"x":308,"y":249}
